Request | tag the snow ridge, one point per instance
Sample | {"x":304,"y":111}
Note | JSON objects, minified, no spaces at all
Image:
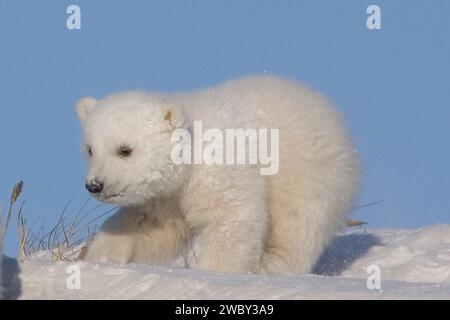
{"x":414,"y":264}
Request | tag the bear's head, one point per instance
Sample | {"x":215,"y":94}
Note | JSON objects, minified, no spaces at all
{"x":127,"y":144}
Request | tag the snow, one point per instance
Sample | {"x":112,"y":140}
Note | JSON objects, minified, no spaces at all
{"x":413,"y":264}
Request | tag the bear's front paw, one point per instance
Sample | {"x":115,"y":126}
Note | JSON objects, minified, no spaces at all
{"x":109,"y":248}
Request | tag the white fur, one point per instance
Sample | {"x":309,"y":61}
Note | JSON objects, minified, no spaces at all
{"x":244,"y":222}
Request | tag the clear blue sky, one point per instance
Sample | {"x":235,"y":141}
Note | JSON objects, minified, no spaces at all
{"x":392,"y":84}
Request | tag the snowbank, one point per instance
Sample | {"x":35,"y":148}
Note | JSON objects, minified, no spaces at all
{"x":413,"y":264}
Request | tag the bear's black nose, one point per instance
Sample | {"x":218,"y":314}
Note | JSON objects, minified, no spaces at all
{"x":94,"y":186}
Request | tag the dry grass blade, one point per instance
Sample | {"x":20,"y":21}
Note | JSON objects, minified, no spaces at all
{"x":17,"y":190}
{"x":360,"y":223}
{"x":23,"y":236}
{"x":370,"y":204}
{"x":15,"y":194}
{"x":64,"y":241}
{"x":355,"y":223}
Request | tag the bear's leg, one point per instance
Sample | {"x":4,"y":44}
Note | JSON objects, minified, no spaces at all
{"x":109,"y":247}
{"x":136,"y":236}
{"x":115,"y":241}
{"x":162,"y":241}
{"x":299,"y":231}
{"x":226,"y":208}
{"x":230,"y":249}
{"x":235,"y":242}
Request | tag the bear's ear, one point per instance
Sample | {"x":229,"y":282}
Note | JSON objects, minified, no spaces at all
{"x":84,"y":106}
{"x":175,"y":117}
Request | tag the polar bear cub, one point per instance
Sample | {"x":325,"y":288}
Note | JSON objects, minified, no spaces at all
{"x":241,"y":220}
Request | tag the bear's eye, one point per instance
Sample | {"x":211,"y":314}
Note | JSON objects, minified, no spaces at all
{"x":89,"y":151}
{"x":125,"y":151}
